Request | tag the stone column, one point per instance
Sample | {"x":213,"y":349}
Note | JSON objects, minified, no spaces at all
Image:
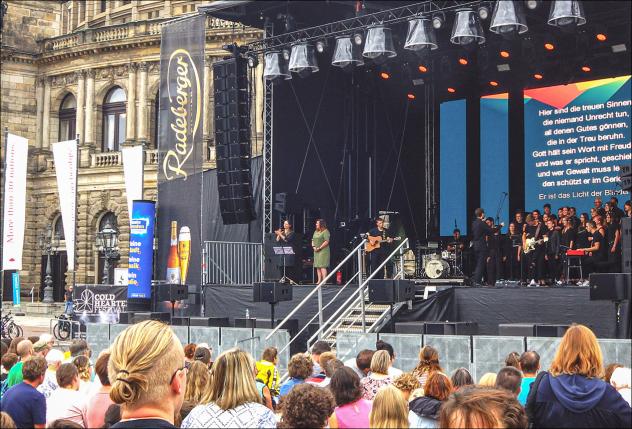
{"x":46,"y":118}
{"x":88,"y":140}
{"x":131,"y":103}
{"x":141,"y":128}
{"x":81,"y":101}
{"x":39,"y":95}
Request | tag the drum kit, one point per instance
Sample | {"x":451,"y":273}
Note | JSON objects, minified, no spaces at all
{"x":434,"y":263}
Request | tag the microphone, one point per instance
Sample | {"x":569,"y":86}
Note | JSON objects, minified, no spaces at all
{"x":505,"y":193}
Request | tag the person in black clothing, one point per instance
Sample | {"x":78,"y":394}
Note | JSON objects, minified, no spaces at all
{"x":287,"y":237}
{"x":572,"y":216}
{"x":494,"y":253}
{"x":614,"y":208}
{"x":552,"y":251}
{"x":568,"y":238}
{"x":613,"y":239}
{"x":597,"y":252}
{"x":512,"y":249}
{"x":68,"y":300}
{"x":582,"y":232}
{"x":480,"y":232}
{"x":519,"y":221}
{"x":377,"y":256}
{"x":535,"y":257}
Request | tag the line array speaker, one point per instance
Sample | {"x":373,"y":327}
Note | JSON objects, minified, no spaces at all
{"x":232,"y":140}
{"x":626,"y":245}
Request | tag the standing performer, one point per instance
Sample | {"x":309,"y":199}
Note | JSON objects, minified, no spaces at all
{"x":379,"y":254}
{"x":480,"y":232}
{"x":320,"y":244}
{"x":287,"y":236}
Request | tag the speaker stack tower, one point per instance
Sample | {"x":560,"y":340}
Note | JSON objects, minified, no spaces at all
{"x":232,"y":139}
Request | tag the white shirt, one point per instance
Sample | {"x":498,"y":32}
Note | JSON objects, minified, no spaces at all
{"x":394,"y":372}
{"x":248,"y":415}
{"x":351,"y":363}
{"x":66,"y":404}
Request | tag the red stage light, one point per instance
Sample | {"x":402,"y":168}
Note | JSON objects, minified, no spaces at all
{"x":385,"y":75}
{"x":601,"y":37}
{"x":423,"y":69}
{"x":451,"y":90}
{"x":538,"y":76}
{"x":463,"y":61}
{"x":586,"y":69}
{"x":504,"y":54}
{"x":549,"y":46}
{"x":410,"y":96}
{"x":493,"y":83}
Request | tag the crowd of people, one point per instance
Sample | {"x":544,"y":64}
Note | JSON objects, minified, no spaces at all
{"x":534,"y":248}
{"x":148,"y":379}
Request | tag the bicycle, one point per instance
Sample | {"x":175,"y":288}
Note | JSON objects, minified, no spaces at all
{"x":9,"y":329}
{"x":62,"y":328}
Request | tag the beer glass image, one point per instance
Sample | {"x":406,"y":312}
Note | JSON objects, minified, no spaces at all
{"x":184,"y":252}
{"x":173,"y":262}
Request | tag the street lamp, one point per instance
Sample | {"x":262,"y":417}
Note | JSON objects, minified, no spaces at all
{"x":107,"y":242}
{"x":48,"y":243}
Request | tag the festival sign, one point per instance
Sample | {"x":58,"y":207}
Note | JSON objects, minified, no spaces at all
{"x":141,"y":249}
{"x":133,"y":172}
{"x":65,"y":155}
{"x":16,"y":157}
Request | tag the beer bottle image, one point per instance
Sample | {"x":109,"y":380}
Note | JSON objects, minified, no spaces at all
{"x":184,"y":252}
{"x":173,"y":262}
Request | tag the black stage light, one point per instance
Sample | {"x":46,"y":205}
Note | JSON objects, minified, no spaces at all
{"x":508,"y":19}
{"x":421,"y":37}
{"x":467,"y":28}
{"x":358,"y":38}
{"x":303,"y":59}
{"x":253,"y":61}
{"x":346,"y":53}
{"x":567,"y":14}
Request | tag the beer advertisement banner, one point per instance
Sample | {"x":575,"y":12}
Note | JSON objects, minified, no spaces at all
{"x":16,"y":157}
{"x":141,"y":249}
{"x":133,"y":172}
{"x":65,"y":156}
{"x":181,"y":150}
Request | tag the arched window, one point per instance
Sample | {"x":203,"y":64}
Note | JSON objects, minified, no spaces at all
{"x":67,"y":118}
{"x":114,"y":118}
{"x":58,"y":228}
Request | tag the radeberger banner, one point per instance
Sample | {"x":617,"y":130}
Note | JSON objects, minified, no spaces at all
{"x":16,"y":157}
{"x":65,"y":155}
{"x":181,"y":150}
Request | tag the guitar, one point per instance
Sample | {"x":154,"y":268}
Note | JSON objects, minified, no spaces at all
{"x":373,"y":243}
{"x":530,"y":243}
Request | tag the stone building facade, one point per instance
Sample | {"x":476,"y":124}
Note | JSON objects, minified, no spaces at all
{"x":91,"y":68}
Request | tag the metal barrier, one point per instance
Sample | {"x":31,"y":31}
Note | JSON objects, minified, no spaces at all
{"x":225,"y":262}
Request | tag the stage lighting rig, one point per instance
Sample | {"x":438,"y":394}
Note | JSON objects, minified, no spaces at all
{"x":276,"y":68}
{"x":438,"y":19}
{"x":531,"y":4}
{"x":508,"y":19}
{"x":379,"y":45}
{"x":321,"y":46}
{"x":467,"y":29}
{"x":358,"y":38}
{"x":253,"y":61}
{"x":420,"y":37}
{"x":567,"y":14}
{"x":303,"y":59}
{"x":483,"y":11}
{"x":346,"y":53}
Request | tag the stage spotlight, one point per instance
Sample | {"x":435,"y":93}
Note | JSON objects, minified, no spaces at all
{"x":451,"y":90}
{"x":504,"y":54}
{"x":346,"y":53}
{"x":421,"y":37}
{"x":586,"y":69}
{"x":463,"y":61}
{"x":467,"y":28}
{"x":549,"y":46}
{"x":276,"y":68}
{"x":438,"y":19}
{"x":493,"y":83}
{"x":508,"y":19}
{"x":538,"y":76}
{"x":532,"y":4}
{"x":303,"y":59}
{"x":422,"y":68}
{"x":601,"y":37}
{"x":321,"y":45}
{"x":483,"y":12}
{"x":385,"y":75}
{"x":358,"y":38}
{"x":410,"y":96}
{"x":567,"y":14}
{"x":286,"y":54}
{"x":379,"y":44}
{"x":253,"y":61}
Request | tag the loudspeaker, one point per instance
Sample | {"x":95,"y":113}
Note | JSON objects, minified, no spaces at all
{"x":245,"y":323}
{"x":451,"y":328}
{"x":550,"y":330}
{"x":626,"y":245}
{"x":180,"y":321}
{"x":232,"y":140}
{"x":125,"y":317}
{"x":271,"y":292}
{"x":610,"y":286}
{"x":171,"y":292}
{"x":410,"y":328}
{"x":388,"y":291}
{"x":209,"y":321}
{"x":516,"y":329}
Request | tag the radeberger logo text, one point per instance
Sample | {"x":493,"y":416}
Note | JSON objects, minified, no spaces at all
{"x":185,"y":111}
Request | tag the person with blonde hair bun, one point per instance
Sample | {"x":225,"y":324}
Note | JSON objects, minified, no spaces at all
{"x":390,"y":409}
{"x":428,"y":362}
{"x":147,"y":374}
{"x":378,"y":377}
{"x":232,"y":399}
{"x":198,"y":377}
{"x":488,"y":379}
{"x":572,"y":393}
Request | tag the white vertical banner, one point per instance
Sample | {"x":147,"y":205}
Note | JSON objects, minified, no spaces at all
{"x":16,"y":156}
{"x":133,"y":172}
{"x":65,"y":155}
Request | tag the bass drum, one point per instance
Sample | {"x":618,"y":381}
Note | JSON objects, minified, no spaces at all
{"x":436,"y":268}
{"x":409,"y":263}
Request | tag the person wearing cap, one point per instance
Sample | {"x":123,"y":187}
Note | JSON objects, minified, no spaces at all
{"x":54,"y":359}
{"x":41,"y":348}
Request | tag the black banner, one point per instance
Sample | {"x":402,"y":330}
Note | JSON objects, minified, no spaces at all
{"x":99,"y":299}
{"x":181,"y":150}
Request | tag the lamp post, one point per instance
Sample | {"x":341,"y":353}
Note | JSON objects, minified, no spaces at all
{"x":48,"y":243}
{"x":107,"y":242}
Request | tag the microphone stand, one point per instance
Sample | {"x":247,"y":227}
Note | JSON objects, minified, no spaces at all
{"x":501,"y":203}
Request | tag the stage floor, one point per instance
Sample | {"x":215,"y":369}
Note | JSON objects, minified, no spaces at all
{"x":488,"y":306}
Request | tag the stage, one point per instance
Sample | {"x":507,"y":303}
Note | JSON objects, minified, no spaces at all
{"x":488,"y":307}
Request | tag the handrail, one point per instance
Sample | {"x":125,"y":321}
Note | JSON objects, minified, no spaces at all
{"x":316,"y":289}
{"x":358,"y":292}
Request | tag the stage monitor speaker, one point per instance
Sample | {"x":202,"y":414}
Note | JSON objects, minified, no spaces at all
{"x":626,"y":245}
{"x":410,"y":328}
{"x":245,"y":323}
{"x":171,"y":292}
{"x":180,"y":321}
{"x":125,"y":317}
{"x":271,"y":292}
{"x":610,"y":286}
{"x":210,"y":321}
{"x":232,"y":140}
{"x":451,"y":328}
{"x":386,"y":291}
{"x":550,"y":330}
{"x":516,"y":329}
